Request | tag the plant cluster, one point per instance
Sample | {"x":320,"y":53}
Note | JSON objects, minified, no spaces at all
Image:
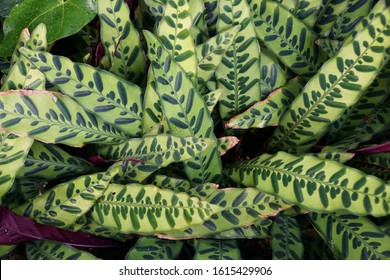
{"x":195,"y":129}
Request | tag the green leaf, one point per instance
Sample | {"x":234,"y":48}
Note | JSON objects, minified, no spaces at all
{"x":315,"y":184}
{"x":53,"y":118}
{"x":286,"y":239}
{"x":94,"y":228}
{"x":101,"y":93}
{"x":185,"y":111}
{"x":121,"y":40}
{"x":210,"y":54}
{"x":153,"y":248}
{"x":315,"y":247}
{"x":288,"y":37}
{"x":214,"y":249}
{"x":330,"y":46}
{"x":268,"y":112}
{"x":336,"y":156}
{"x":171,"y":183}
{"x":62,"y":205}
{"x":239,"y":208}
{"x":29,"y":188}
{"x":147,"y":209}
{"x":238,"y":73}
{"x":13,"y":152}
{"x":337,"y":86}
{"x":351,"y":237}
{"x":226,"y":143}
{"x":159,"y":150}
{"x":51,"y":250}
{"x":304,"y":10}
{"x":328,"y":14}
{"x":259,"y":230}
{"x":198,"y":30}
{"x":63,"y":18}
{"x":345,"y":23}
{"x":51,"y":162}
{"x":177,"y":20}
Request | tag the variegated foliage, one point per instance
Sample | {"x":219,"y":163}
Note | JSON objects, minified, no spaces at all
{"x":196,"y":125}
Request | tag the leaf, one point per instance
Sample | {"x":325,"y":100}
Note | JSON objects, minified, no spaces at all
{"x":51,"y":162}
{"x":351,"y":237}
{"x":336,"y":156}
{"x":147,"y":209}
{"x":101,"y":93}
{"x":211,"y":15}
{"x":50,"y":250}
{"x":288,"y":37}
{"x":171,"y":183}
{"x":304,"y":10}
{"x":22,"y":229}
{"x":177,"y":20}
{"x":212,"y":98}
{"x":133,"y":171}
{"x":330,"y":46}
{"x":327,"y":95}
{"x":210,"y":53}
{"x":272,"y":75}
{"x":63,"y":18}
{"x":258,"y":230}
{"x":226,"y":143}
{"x":238,"y":73}
{"x":159,"y":150}
{"x":53,"y":118}
{"x":286,"y":239}
{"x":30,"y":187}
{"x":62,"y":205}
{"x":121,"y":40}
{"x":214,"y":249}
{"x":7,"y":7}
{"x":185,"y":111}
{"x":345,"y":23}
{"x":268,"y":112}
{"x":239,"y":208}
{"x":315,"y":184}
{"x":328,"y":14}
{"x":13,"y":152}
{"x":198,"y":30}
{"x":153,"y":248}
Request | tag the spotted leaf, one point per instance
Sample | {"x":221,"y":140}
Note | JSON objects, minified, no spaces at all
{"x":121,"y":40}
{"x":217,"y":249}
{"x":53,"y":118}
{"x":286,"y":239}
{"x":238,"y":73}
{"x":351,"y":237}
{"x":51,"y":162}
{"x":146,"y":209}
{"x":101,"y":93}
{"x":315,"y":184}
{"x":13,"y":152}
{"x":63,"y":204}
{"x":338,"y":85}
{"x":51,"y":250}
{"x":288,"y":37}
{"x":258,"y":230}
{"x":268,"y":112}
{"x":328,"y":14}
{"x":226,"y":143}
{"x":307,"y":11}
{"x":185,"y":111}
{"x":153,"y":248}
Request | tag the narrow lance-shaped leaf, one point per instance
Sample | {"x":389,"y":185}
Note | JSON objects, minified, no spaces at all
{"x":315,"y":184}
{"x":51,"y":250}
{"x":214,"y":249}
{"x":185,"y":111}
{"x":305,"y":10}
{"x":13,"y":152}
{"x":288,"y":37}
{"x":239,"y":207}
{"x":268,"y":112}
{"x":328,"y":14}
{"x":153,"y":248}
{"x":351,"y":237}
{"x":121,"y":40}
{"x":159,"y":150}
{"x":53,"y":118}
{"x":210,"y":53}
{"x":338,"y":85}
{"x":344,"y":24}
{"x":286,"y":239}
{"x":174,"y":33}
{"x":51,"y":162}
{"x":238,"y":73}
{"x":62,"y":205}
{"x":101,"y":93}
{"x":146,"y":209}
